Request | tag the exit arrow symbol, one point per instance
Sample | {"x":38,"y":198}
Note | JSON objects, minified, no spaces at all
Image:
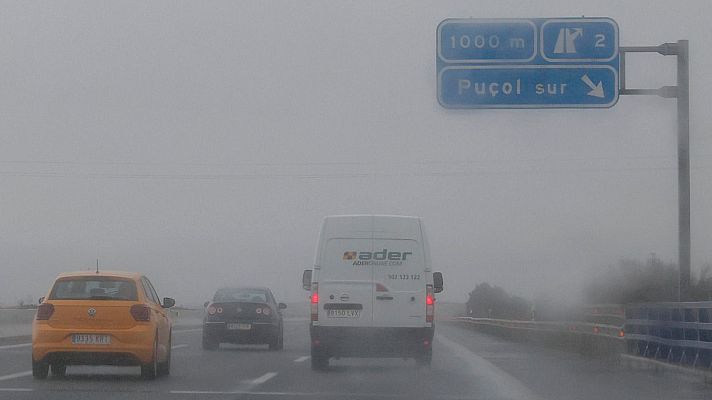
{"x":596,"y":90}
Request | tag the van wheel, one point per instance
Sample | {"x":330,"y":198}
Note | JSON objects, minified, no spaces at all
{"x":149,"y":371}
{"x":425,"y":359}
{"x":40,"y":369}
{"x":319,"y":361}
{"x":59,"y":369}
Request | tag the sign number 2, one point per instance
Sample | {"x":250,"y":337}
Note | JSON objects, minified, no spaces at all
{"x":600,"y":40}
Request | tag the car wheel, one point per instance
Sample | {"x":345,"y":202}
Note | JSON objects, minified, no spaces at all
{"x":40,"y":369}
{"x":165,"y":367}
{"x":59,"y":369}
{"x":149,"y":371}
{"x":319,"y":361}
{"x":210,"y":343}
{"x":280,"y":344}
{"x":275,"y":343}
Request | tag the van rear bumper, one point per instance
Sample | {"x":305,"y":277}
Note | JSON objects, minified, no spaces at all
{"x":370,"y":341}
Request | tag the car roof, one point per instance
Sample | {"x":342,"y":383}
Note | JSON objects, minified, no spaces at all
{"x":105,"y":274}
{"x":245,"y":288}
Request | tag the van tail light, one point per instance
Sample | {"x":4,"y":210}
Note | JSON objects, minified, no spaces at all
{"x":141,"y":312}
{"x":44,"y":312}
{"x":315,"y":302}
{"x":429,"y":303}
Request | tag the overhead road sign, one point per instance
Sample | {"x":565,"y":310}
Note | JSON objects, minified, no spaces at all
{"x":487,"y":41}
{"x":528,"y":63}
{"x":523,"y":86}
{"x":579,"y":40}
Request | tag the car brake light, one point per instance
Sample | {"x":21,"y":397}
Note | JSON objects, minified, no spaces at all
{"x":266,"y":311}
{"x":141,"y":312}
{"x":315,"y":302}
{"x":212,"y":310}
{"x":44,"y":312}
{"x":220,"y":310}
{"x":258,"y":310}
{"x":429,"y":303}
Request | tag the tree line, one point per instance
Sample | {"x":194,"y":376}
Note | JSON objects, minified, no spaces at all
{"x":629,"y":281}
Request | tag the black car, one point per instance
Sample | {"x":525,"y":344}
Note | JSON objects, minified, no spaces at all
{"x":243,"y":315}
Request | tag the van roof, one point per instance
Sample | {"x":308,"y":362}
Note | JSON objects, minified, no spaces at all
{"x":376,"y":226}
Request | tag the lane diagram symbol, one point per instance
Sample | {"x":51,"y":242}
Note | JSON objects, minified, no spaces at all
{"x":566,"y":41}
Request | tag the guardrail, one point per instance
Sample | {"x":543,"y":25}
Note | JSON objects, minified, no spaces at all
{"x":678,"y":333}
{"x":584,"y":337}
{"x":580,"y":328}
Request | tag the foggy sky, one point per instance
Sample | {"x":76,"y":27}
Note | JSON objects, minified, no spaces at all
{"x":202,"y":143}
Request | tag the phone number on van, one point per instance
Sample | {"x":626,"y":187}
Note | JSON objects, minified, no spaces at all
{"x":414,"y":277}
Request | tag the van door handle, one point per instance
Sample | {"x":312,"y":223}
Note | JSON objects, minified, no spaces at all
{"x":384,"y":297}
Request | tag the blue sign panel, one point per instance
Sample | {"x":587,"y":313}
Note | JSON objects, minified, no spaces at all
{"x":561,"y":86}
{"x":580,"y":40}
{"x":487,"y":41}
{"x":528,"y":63}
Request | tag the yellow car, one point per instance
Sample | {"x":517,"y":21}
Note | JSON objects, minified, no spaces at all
{"x":102,"y":318}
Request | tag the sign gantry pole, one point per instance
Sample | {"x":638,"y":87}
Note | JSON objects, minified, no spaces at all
{"x":681,"y":92}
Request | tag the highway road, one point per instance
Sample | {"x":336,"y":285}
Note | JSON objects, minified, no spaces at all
{"x":466,"y":365}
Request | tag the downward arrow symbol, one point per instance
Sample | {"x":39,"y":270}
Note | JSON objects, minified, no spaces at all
{"x":596,"y":90}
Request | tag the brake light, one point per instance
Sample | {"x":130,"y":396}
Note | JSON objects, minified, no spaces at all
{"x":220,"y":310}
{"x":315,"y":302}
{"x":212,"y":310}
{"x":141,"y":312}
{"x":429,"y":303}
{"x":44,"y":312}
{"x":266,"y":311}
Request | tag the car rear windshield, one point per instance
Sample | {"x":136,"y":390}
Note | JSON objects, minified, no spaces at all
{"x":242,"y":295}
{"x":94,"y":289}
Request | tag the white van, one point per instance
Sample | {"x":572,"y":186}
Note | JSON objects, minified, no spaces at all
{"x":372,"y":289}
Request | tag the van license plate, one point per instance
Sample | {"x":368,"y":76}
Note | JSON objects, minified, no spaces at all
{"x":91,"y":339}
{"x":343,"y":313}
{"x":240,"y":327}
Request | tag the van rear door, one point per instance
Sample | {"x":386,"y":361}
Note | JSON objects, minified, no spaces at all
{"x":345,"y":283}
{"x":399,"y":283}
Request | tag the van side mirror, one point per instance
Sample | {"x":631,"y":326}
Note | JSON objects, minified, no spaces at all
{"x":41,"y":300}
{"x":282,"y":306}
{"x":168,"y":302}
{"x":306,"y":279}
{"x":437,"y":282}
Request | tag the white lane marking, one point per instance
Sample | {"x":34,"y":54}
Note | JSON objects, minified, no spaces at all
{"x":15,"y":346}
{"x":179,"y":346}
{"x":262,"y":379}
{"x":199,"y":392}
{"x":188,"y":330}
{"x":15,"y":390}
{"x":302,"y":358}
{"x":366,"y":395}
{"x":17,"y":375}
{"x":503,"y":384}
